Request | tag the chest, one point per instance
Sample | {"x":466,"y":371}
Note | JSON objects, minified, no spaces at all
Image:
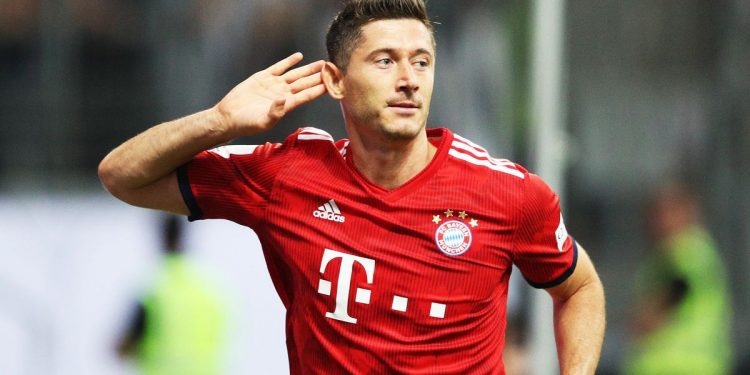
{"x":441,"y":249}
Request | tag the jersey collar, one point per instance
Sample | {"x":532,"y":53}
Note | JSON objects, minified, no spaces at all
{"x":439,"y":137}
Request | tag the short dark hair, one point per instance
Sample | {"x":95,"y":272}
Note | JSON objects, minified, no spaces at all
{"x":346,"y":29}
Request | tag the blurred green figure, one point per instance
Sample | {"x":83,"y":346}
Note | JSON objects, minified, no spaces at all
{"x":180,"y":325}
{"x":683,"y":311}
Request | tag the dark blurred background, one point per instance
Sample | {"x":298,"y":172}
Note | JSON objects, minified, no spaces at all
{"x":654,"y":91}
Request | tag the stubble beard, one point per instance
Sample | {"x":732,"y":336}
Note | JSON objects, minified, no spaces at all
{"x":399,"y":129}
{"x":396,"y":130}
{"x":400,"y":133}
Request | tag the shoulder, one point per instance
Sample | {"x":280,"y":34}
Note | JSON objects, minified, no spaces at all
{"x":314,"y":138}
{"x":507,"y":179}
{"x":309,"y":138}
{"x":473,"y":155}
{"x":310,"y":134}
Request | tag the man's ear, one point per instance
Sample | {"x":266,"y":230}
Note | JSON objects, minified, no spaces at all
{"x":333,"y":79}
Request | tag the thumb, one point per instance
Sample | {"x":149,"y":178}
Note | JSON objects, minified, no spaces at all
{"x":277,"y":108}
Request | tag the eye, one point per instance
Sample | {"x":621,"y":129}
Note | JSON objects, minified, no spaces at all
{"x":384,"y":62}
{"x":421,"y":64}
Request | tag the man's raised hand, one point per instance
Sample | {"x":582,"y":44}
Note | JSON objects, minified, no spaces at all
{"x":259,"y":102}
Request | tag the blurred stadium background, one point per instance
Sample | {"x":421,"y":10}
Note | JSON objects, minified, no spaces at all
{"x":650,"y":90}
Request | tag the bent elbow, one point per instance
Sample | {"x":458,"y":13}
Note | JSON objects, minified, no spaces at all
{"x":126,"y":180}
{"x":110,"y":177}
{"x":105,"y":172}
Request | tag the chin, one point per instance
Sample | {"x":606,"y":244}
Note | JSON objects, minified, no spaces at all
{"x":402,"y":131}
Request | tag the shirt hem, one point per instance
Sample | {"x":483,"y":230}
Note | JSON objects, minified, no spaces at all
{"x":562,"y":277}
{"x":187,"y":194}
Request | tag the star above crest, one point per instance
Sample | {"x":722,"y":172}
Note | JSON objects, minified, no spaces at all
{"x":448,"y":213}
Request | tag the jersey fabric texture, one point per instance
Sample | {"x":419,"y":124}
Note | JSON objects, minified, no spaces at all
{"x":412,"y":280}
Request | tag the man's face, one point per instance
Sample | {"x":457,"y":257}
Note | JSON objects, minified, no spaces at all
{"x":388,"y":83}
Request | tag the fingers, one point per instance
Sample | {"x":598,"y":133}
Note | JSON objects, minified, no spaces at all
{"x":307,"y":95}
{"x":306,"y":82}
{"x":278,"y":109}
{"x":302,"y":85}
{"x":303,"y":71}
{"x":281,"y":106}
{"x":282,"y":66}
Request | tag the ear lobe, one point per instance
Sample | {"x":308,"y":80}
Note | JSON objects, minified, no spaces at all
{"x":333,"y":80}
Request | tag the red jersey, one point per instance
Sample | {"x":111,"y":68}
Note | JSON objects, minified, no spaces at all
{"x":411,"y":280}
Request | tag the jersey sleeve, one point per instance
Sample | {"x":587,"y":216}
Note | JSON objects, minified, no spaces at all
{"x":231,"y":182}
{"x":543,"y":251}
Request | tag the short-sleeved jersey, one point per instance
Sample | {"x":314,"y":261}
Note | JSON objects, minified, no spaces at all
{"x":411,"y":280}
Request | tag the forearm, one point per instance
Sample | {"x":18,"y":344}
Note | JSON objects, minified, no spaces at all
{"x":141,"y":171}
{"x":579,"y":329}
{"x":158,"y":151}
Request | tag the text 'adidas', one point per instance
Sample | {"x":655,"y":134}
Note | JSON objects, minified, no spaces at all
{"x":329,"y":211}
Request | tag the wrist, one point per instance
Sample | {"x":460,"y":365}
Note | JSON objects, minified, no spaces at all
{"x":220,"y":125}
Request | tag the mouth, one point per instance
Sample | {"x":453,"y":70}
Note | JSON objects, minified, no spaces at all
{"x":406,"y":108}
{"x":406,"y":104}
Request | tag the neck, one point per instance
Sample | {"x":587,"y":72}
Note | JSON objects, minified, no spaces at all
{"x":391,"y":164}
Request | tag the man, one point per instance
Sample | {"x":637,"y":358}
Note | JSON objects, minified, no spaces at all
{"x":683,"y":309}
{"x":391,"y":250}
{"x":179,"y":327}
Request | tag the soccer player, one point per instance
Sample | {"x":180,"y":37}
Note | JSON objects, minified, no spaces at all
{"x":391,"y":250}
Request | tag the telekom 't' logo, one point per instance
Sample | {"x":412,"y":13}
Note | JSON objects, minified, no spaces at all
{"x":344,"y":283}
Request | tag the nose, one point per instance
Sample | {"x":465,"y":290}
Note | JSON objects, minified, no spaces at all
{"x":407,"y":77}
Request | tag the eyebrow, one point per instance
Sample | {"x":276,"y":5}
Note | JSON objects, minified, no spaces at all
{"x":393,"y":51}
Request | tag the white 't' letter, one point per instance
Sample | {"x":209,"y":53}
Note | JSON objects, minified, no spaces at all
{"x":344,"y":281}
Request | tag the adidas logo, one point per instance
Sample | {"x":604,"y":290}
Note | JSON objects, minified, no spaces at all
{"x":329,"y":211}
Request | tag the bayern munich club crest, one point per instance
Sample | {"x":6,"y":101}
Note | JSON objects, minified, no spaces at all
{"x":453,"y":236}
